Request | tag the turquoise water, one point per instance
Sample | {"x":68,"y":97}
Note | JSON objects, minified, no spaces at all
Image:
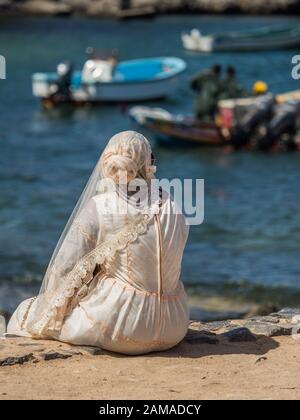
{"x":248,"y":246}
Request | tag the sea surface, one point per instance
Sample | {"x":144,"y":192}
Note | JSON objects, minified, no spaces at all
{"x":248,"y":248}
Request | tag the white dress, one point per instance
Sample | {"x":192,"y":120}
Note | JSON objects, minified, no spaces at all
{"x":136,"y":304}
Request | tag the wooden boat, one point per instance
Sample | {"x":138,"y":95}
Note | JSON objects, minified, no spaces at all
{"x":133,"y":80}
{"x":176,"y":128}
{"x":183,"y":130}
{"x":265,"y":38}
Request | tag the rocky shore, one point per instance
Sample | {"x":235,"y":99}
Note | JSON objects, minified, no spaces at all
{"x":133,"y":8}
{"x":249,"y":358}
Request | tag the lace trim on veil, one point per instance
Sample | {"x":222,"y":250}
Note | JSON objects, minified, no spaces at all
{"x":75,"y":278}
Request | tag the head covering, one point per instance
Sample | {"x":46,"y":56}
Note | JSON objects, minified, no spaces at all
{"x":128,"y":152}
{"x":260,"y":87}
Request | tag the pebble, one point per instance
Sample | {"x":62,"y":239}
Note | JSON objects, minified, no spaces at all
{"x":17,"y":360}
{"x":52,"y":355}
{"x":261,"y":359}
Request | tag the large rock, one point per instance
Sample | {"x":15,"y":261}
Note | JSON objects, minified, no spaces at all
{"x":284,"y":322}
{"x":137,"y":4}
{"x":170,"y":5}
{"x":17,"y":360}
{"x":105,"y":8}
{"x":243,"y":6}
{"x":77,"y":6}
{"x":263,"y":6}
{"x":287,"y":313}
{"x":113,"y":8}
{"x":241,"y":334}
{"x":160,"y":5}
{"x":268,"y":318}
{"x":44,"y":7}
{"x":212,"y":6}
{"x":52,"y":355}
{"x":269,"y":330}
{"x":200,"y":337}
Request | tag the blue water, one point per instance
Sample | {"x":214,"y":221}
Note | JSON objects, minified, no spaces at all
{"x":248,"y":246}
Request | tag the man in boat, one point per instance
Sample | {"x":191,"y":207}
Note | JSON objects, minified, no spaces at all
{"x":99,"y":69}
{"x":260,"y":88}
{"x":231,"y":88}
{"x":207,"y":85}
{"x":62,"y":87}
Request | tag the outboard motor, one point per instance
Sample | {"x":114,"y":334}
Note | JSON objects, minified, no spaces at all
{"x":283,"y":126}
{"x":259,"y":114}
{"x":63,"y":84}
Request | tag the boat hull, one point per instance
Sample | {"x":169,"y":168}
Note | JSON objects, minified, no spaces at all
{"x":176,"y":130}
{"x":242,"y":47}
{"x":104,"y":92}
{"x":135,"y":80}
{"x":254,"y":42}
{"x":180,"y":134}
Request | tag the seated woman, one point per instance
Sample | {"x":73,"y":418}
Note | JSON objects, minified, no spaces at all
{"x":113,"y":280}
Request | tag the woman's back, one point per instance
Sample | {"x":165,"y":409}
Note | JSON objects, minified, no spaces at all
{"x":113,"y":280}
{"x":137,"y":303}
{"x":153,"y":262}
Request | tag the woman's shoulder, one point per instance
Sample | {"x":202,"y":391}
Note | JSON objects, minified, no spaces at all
{"x":104,"y":198}
{"x":169,"y":202}
{"x":111,"y":212}
{"x":173,"y":208}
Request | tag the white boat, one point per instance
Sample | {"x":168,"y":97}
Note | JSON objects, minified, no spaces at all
{"x":133,"y":80}
{"x":266,"y":38}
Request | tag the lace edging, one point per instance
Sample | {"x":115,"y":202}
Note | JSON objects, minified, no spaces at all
{"x":75,"y":279}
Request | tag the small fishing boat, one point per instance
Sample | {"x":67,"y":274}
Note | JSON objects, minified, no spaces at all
{"x":132,"y":80}
{"x":177,"y":129}
{"x":265,"y":38}
{"x":183,"y":129}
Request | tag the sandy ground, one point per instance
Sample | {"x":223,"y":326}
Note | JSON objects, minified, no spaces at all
{"x":265,"y":369}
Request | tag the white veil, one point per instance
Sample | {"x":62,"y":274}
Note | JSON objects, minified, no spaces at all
{"x":81,"y":250}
